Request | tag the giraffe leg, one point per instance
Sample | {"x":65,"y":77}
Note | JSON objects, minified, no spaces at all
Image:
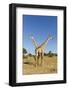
{"x":35,"y":58}
{"x":36,"y":61}
{"x":38,"y":58}
{"x":41,"y":59}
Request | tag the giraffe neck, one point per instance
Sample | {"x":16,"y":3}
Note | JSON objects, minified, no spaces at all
{"x":45,"y":43}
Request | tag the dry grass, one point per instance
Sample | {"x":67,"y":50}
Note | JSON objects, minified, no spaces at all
{"x":49,"y":66}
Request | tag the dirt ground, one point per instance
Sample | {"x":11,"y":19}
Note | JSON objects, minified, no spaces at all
{"x":49,"y":66}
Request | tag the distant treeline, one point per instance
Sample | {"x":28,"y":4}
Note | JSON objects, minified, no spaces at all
{"x":49,"y":54}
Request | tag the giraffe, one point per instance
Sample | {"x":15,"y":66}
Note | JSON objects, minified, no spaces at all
{"x":39,"y":49}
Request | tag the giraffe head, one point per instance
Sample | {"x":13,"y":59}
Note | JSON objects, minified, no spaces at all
{"x":49,"y":37}
{"x":34,"y":42}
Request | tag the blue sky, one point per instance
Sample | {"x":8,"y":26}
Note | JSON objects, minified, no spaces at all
{"x":40,"y":27}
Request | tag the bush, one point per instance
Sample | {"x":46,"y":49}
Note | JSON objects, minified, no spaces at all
{"x":25,"y":57}
{"x":30,"y":54}
{"x":45,"y":54}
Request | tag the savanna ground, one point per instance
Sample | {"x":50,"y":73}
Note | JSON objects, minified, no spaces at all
{"x":49,"y":65}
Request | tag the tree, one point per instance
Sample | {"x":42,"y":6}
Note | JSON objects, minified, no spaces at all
{"x":24,"y":51}
{"x":50,"y":54}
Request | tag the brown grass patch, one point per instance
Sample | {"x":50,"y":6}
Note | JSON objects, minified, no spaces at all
{"x":49,"y":66}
